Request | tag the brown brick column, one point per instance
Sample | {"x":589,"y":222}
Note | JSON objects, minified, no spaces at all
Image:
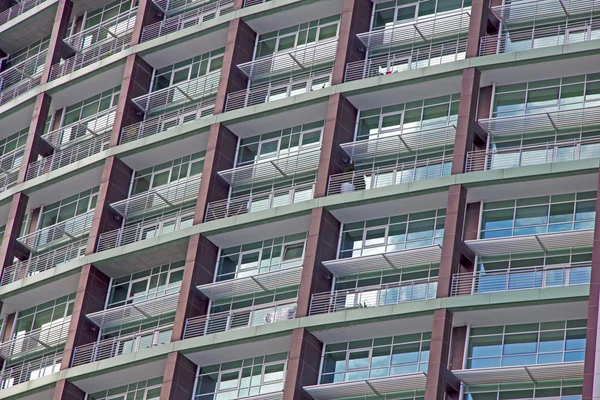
{"x":482,"y":22}
{"x":136,"y":82}
{"x":439,"y":379}
{"x":57,"y":49}
{"x":179,"y":378}
{"x":457,"y":352}
{"x":147,"y":14}
{"x":220,"y":155}
{"x":303,"y":365}
{"x":36,"y":146}
{"x":116,"y":177}
{"x":321,"y":245}
{"x":199,"y":269}
{"x":591,"y":366}
{"x":356,"y":18}
{"x":239,"y":49}
{"x":11,"y":248}
{"x":66,"y":390}
{"x":238,"y":4}
{"x":339,"y":128}
{"x":91,"y":296}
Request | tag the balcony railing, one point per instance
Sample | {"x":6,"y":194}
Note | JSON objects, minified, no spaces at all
{"x":18,"y":9}
{"x":107,"y":30}
{"x":36,"y":340}
{"x":70,"y":229}
{"x":11,"y":161}
{"x":240,"y":318}
{"x":540,"y":36}
{"x":8,"y":180}
{"x":519,"y":156}
{"x":175,"y":96}
{"x":22,"y":77}
{"x":248,"y":3}
{"x":234,"y":206}
{"x":76,"y":151}
{"x":90,"y":55}
{"x":161,"y":123}
{"x":420,"y":57}
{"x":42,"y":262}
{"x":146,"y":229}
{"x":159,"y":198}
{"x":119,"y":345}
{"x":279,"y":89}
{"x":506,"y":280}
{"x":536,"y":10}
{"x":30,"y":369}
{"x":187,"y":19}
{"x":373,"y":296}
{"x":81,"y":130}
{"x":385,"y":176}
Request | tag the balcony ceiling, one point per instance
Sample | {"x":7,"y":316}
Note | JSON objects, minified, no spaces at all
{"x":28,"y":27}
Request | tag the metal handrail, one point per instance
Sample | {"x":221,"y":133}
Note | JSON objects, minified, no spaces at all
{"x":385,"y":176}
{"x":161,"y":123}
{"x":240,"y":318}
{"x":279,"y":89}
{"x":11,"y":161}
{"x":179,"y":94}
{"x":373,"y":296}
{"x":249,"y":3}
{"x":537,"y":154}
{"x":28,"y":370}
{"x":76,"y":152}
{"x":534,"y":37}
{"x":118,"y":345}
{"x":144,"y":229}
{"x":8,"y":180}
{"x":534,"y":10}
{"x":190,"y":18}
{"x":42,"y":262}
{"x":18,"y":9}
{"x":420,"y":57}
{"x":505,"y":280}
{"x":69,"y":229}
{"x":37,"y":339}
{"x":83,"y":129}
{"x":78,"y":43}
{"x":177,"y":6}
{"x":91,"y":55}
{"x":234,"y":206}
{"x":21,"y":77}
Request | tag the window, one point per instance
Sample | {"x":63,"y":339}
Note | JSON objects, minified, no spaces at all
{"x":68,"y":208}
{"x":111,"y":15}
{"x":527,"y":344}
{"x":168,"y":172}
{"x":27,"y":52}
{"x":146,"y":390}
{"x":547,"y":214}
{"x":567,"y":389}
{"x":243,"y":378}
{"x":189,"y":69}
{"x":392,"y":234}
{"x":13,"y":143}
{"x":44,"y":316}
{"x":375,"y":358}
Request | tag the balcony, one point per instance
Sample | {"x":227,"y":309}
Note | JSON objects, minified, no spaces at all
{"x":505,"y":280}
{"x":528,"y":373}
{"x":42,"y":262}
{"x":539,"y":242}
{"x":22,"y":77}
{"x":10,"y":164}
{"x":373,"y":296}
{"x":37,"y":340}
{"x":68,"y":230}
{"x":240,"y":318}
{"x":249,"y":3}
{"x":257,"y":282}
{"x":118,"y":345}
{"x":30,"y":369}
{"x":129,"y":313}
{"x":203,"y":13}
{"x":368,"y":387}
{"x":532,"y":24}
{"x":97,"y":43}
{"x":18,"y":9}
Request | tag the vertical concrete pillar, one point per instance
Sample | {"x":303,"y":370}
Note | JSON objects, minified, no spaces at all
{"x":201,"y":258}
{"x":220,"y":155}
{"x":355,"y":18}
{"x":321,"y":245}
{"x":339,"y":128}
{"x":239,"y":49}
{"x":136,"y":82}
{"x":35,"y":145}
{"x":57,"y":49}
{"x":91,"y":294}
{"x":303,"y":365}
{"x":66,"y":390}
{"x":147,"y":14}
{"x":179,"y":378}
{"x":11,"y":248}
{"x":114,"y":186}
{"x":439,"y":379}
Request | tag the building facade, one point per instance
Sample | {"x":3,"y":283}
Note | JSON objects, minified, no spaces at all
{"x":299,"y":199}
